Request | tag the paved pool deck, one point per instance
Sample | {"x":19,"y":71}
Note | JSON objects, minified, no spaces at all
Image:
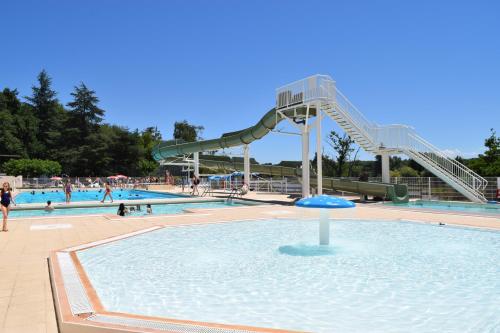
{"x":26,"y":303}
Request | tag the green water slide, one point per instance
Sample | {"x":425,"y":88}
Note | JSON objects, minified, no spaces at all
{"x":232,"y":139}
{"x":168,"y":150}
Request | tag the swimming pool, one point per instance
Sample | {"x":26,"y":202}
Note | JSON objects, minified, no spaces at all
{"x":464,"y":207}
{"x":377,"y":276}
{"x":157,"y":209}
{"x":90,"y":195}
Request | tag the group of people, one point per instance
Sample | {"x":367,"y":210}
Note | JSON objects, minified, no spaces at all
{"x":7,"y":198}
{"x":68,"y":190}
{"x":123,"y":210}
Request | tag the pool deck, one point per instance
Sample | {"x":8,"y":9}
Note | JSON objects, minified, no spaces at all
{"x":26,"y":302}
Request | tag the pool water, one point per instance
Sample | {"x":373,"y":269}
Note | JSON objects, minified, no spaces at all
{"x":157,"y":209}
{"x":451,"y":206}
{"x":377,"y":276}
{"x":90,"y":195}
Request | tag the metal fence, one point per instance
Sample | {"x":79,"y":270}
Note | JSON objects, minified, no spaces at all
{"x":426,"y":188}
{"x":45,"y":182}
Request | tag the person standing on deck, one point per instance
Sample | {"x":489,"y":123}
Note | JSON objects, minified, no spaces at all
{"x":6,"y":199}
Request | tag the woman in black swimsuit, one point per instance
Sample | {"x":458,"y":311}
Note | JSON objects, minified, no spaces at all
{"x":5,"y":200}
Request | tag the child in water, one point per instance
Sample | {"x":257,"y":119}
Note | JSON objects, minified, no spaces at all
{"x":49,"y":206}
{"x":122,"y":210}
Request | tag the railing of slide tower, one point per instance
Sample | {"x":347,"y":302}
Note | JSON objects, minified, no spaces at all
{"x":396,"y":138}
{"x":313,"y":88}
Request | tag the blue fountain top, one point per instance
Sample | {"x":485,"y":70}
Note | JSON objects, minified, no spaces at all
{"x":324,"y":201}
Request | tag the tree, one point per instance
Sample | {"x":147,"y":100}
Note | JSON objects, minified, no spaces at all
{"x":343,"y":146}
{"x":488,"y":164}
{"x":31,"y":168}
{"x":84,"y":113}
{"x":328,"y":165}
{"x":49,"y":112}
{"x":187,"y":132}
{"x":150,"y":137}
{"x":9,"y":106}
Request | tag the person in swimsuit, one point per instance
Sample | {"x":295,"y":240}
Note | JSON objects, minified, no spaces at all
{"x":68,"y":188}
{"x":107,"y":192}
{"x":122,"y":210}
{"x":49,"y":206}
{"x":6,"y":199}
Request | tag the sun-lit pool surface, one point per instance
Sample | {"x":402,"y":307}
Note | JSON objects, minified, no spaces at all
{"x":157,"y":209}
{"x":90,"y":195}
{"x":450,"y":206}
{"x":377,"y":276}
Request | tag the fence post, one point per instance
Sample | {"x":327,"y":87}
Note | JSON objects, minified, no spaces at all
{"x":429,"y":188}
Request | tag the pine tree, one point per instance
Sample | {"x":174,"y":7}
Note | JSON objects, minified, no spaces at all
{"x":85,"y":115}
{"x":50,"y":114}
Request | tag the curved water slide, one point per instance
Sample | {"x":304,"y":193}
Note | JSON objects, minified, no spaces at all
{"x":168,"y":150}
{"x":233,"y":139}
{"x":318,"y":95}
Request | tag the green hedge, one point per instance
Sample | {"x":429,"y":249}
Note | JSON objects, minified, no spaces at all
{"x":31,"y":168}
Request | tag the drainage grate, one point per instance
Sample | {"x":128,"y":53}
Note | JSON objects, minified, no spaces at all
{"x":162,"y":326}
{"x":77,"y":297}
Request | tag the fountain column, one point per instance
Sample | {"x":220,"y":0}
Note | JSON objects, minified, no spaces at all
{"x":324,"y":227}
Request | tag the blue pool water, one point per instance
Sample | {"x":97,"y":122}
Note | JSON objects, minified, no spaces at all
{"x":91,"y":195}
{"x":157,"y":209}
{"x":377,"y":276}
{"x":451,"y":206}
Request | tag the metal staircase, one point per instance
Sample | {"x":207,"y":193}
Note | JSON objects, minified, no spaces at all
{"x":320,"y":91}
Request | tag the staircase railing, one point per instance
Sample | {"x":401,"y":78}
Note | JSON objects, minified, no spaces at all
{"x":431,"y":154}
{"x":400,"y":138}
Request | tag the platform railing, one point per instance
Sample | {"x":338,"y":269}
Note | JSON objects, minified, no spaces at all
{"x":399,"y":138}
{"x":313,"y":88}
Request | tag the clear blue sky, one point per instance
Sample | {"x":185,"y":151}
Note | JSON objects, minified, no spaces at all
{"x":434,"y":65}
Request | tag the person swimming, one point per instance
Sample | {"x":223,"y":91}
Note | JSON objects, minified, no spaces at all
{"x":49,"y":206}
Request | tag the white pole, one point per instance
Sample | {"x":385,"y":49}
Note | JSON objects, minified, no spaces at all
{"x":305,"y":162}
{"x":319,"y":155}
{"x":324,"y":227}
{"x":246,"y":163}
{"x":386,"y":175}
{"x":196,"y":164}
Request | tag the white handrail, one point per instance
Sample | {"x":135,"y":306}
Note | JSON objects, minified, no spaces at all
{"x":391,"y":137}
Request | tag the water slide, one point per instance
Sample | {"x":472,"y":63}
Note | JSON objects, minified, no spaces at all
{"x":305,"y":98}
{"x":170,"y":149}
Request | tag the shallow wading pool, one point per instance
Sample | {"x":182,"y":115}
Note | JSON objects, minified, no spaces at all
{"x":376,"y":277}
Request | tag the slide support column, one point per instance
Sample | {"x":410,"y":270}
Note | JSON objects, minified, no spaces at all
{"x":196,"y":157}
{"x":386,"y":175}
{"x":246,"y":164}
{"x":319,"y":155}
{"x":305,"y":162}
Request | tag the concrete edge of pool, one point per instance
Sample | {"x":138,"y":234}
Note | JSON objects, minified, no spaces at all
{"x":87,"y":204}
{"x":383,"y":205}
{"x":78,"y":308}
{"x":91,"y":204}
